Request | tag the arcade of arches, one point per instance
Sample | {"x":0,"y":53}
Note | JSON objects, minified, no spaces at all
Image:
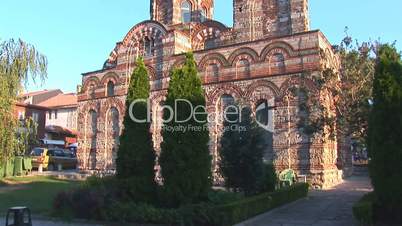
{"x":258,"y":66}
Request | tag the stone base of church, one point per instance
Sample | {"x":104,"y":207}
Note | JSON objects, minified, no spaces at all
{"x":325,"y":179}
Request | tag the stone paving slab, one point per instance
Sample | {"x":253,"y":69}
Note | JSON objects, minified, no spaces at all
{"x":321,"y":208}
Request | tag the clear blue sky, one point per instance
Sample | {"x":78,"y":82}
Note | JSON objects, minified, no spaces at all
{"x":78,"y":35}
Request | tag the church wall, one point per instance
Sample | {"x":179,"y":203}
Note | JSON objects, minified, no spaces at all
{"x":273,"y":65}
{"x":260,"y":59}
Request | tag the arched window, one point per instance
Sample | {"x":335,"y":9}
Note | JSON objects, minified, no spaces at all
{"x":91,"y":91}
{"x":93,"y":118}
{"x":226,"y":103}
{"x":262,"y":113}
{"x":149,"y":46}
{"x":212,"y":71}
{"x":284,"y":13}
{"x":204,"y":15}
{"x":227,"y":100}
{"x":242,"y":69}
{"x":110,"y":89}
{"x":112,"y":135}
{"x":114,"y":113}
{"x":277,"y":63}
{"x":185,"y":12}
{"x":209,"y":43}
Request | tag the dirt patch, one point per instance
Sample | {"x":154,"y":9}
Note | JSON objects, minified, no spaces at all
{"x":6,"y":182}
{"x":9,"y":185}
{"x":8,"y":188}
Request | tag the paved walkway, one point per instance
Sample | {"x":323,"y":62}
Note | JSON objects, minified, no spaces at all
{"x":320,"y":208}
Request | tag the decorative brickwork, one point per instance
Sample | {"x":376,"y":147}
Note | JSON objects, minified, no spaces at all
{"x":257,"y":61}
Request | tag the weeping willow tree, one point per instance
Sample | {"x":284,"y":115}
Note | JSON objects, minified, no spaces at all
{"x":20,"y":62}
{"x":27,"y":133}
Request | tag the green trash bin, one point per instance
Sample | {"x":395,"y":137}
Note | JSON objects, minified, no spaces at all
{"x":27,"y":164}
{"x":18,"y":166}
{"x":1,"y":171}
{"x":9,"y":168}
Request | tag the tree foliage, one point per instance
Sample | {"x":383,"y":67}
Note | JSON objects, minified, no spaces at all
{"x":185,"y":159}
{"x":242,"y":150}
{"x":19,"y":62}
{"x":385,"y":132}
{"x":136,"y":156}
{"x":340,"y":103}
{"x":27,"y":138}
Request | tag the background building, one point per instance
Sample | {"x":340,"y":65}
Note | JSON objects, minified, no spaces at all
{"x":61,"y":118}
{"x":260,"y":60}
{"x":38,"y":96}
{"x":38,"y":114}
{"x":62,"y":110}
{"x":57,"y":118}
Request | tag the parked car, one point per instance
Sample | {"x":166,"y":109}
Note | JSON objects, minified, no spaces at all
{"x":53,"y":159}
{"x":61,"y":159}
{"x":40,"y":157}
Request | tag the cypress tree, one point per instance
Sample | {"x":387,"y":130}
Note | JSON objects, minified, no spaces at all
{"x":185,"y":159}
{"x":385,"y":134}
{"x":242,"y":150}
{"x":136,"y":156}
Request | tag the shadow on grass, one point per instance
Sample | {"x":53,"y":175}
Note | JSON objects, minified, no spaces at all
{"x":37,"y":193}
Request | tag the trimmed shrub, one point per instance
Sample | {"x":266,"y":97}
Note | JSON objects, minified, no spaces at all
{"x":185,"y":159}
{"x":95,"y":201}
{"x":242,"y":152}
{"x":384,"y":136}
{"x":242,"y":210}
{"x":223,"y":197}
{"x":89,"y":201}
{"x":136,"y":157}
{"x":270,"y":179}
{"x":363,"y":210}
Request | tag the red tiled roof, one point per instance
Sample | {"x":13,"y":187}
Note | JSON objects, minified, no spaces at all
{"x":36,"y":93}
{"x":61,"y":100}
{"x":32,"y":106}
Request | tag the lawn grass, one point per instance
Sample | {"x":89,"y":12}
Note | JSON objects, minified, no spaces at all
{"x":37,"y":193}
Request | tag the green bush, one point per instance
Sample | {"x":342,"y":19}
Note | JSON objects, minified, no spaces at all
{"x":363,"y":210}
{"x":98,"y":201}
{"x":185,"y":158}
{"x":223,"y":197}
{"x":136,"y":157}
{"x":384,"y":136}
{"x":270,"y":179}
{"x":242,"y":152}
{"x":89,"y":201}
{"x":242,"y":210}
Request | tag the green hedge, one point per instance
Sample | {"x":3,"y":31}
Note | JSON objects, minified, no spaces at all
{"x":106,"y":206}
{"x":242,"y":210}
{"x":363,"y":210}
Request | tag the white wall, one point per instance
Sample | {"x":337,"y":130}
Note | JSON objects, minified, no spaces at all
{"x":66,"y":117}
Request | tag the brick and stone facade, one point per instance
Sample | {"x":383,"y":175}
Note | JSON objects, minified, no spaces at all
{"x":258,"y":60}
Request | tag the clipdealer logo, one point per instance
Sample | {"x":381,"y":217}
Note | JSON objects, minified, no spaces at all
{"x":197,"y":114}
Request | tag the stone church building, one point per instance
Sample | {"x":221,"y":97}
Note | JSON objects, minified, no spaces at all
{"x":258,"y":60}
